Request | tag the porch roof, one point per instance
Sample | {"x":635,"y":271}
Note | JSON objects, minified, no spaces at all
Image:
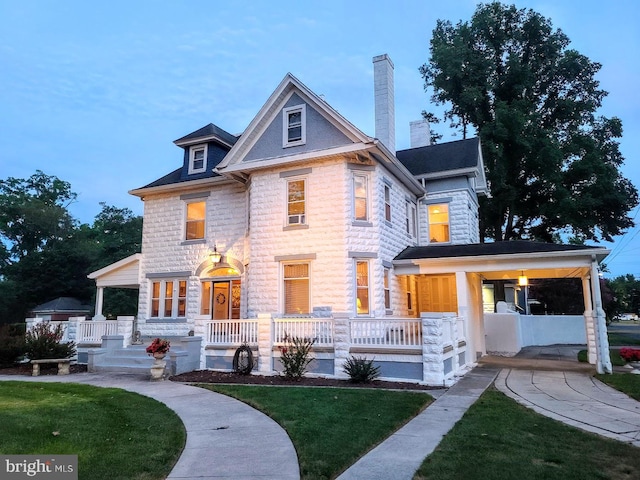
{"x":501,"y":260}
{"x":121,"y":274}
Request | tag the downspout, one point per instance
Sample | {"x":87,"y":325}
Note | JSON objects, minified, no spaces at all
{"x":603,"y":360}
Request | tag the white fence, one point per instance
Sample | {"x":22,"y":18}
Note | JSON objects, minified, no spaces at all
{"x":318,"y":329}
{"x":93,"y":331}
{"x":386,"y":333}
{"x":231,"y":332}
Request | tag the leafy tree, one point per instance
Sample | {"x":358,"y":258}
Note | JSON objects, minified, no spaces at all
{"x":33,"y":211}
{"x":45,"y":253}
{"x":552,"y":163}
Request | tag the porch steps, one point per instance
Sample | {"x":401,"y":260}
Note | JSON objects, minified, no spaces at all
{"x":132,"y":359}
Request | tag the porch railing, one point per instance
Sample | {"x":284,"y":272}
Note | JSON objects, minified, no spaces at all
{"x":386,"y":333}
{"x":451,"y":335}
{"x":320,"y":329}
{"x":231,"y":332}
{"x":93,"y":331}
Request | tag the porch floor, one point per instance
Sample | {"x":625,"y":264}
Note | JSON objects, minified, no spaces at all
{"x":547,"y":358}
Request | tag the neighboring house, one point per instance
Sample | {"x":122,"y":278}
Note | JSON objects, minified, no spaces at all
{"x":305,"y":225}
{"x":60,"y":309}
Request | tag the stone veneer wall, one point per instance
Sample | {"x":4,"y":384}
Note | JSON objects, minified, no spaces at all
{"x":464,"y":226}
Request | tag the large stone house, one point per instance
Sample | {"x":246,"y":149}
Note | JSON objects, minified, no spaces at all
{"x":304,"y":225}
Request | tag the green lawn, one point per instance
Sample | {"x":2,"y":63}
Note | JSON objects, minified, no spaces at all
{"x":614,"y":354}
{"x":498,"y":439}
{"x":331,"y":427}
{"x":619,"y":338}
{"x":116,"y":434}
{"x":628,"y":383}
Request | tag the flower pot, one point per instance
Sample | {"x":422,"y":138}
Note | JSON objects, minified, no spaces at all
{"x":159,"y":355}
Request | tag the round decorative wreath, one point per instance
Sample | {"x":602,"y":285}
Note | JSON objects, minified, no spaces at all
{"x":221,"y":299}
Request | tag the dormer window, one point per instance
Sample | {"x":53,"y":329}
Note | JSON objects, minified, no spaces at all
{"x":197,"y":159}
{"x":294,"y":126}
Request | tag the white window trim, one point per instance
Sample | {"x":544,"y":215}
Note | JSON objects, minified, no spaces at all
{"x":387,"y":203}
{"x":282,"y":287}
{"x":285,"y":125}
{"x":192,"y":152}
{"x":186,"y":217}
{"x":411,"y":219}
{"x":287,"y":218}
{"x":174,"y":299}
{"x":355,"y":280}
{"x":367,"y":198}
{"x":387,"y":289}
{"x":429,"y":224}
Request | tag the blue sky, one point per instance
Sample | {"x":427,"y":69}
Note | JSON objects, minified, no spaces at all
{"x":95,"y":92}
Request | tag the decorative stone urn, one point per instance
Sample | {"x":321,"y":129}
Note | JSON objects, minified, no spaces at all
{"x":157,"y":369}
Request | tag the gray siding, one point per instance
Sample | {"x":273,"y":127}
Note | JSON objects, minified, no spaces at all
{"x":321,"y":134}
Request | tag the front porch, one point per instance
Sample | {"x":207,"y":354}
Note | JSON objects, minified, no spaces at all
{"x":430,"y":350}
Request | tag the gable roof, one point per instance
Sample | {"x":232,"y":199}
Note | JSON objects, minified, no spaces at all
{"x":460,"y":157}
{"x":272,"y":108}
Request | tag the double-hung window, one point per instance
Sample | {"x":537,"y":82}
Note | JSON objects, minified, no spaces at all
{"x":362,"y":287}
{"x":387,"y":203}
{"x":411,"y":219}
{"x":197,"y":159}
{"x":387,"y":290}
{"x":439,"y":222}
{"x":294,"y":126}
{"x":296,"y":288}
{"x":195,"y":220}
{"x":361,"y":197}
{"x":296,"y":201}
{"x":169,"y":299}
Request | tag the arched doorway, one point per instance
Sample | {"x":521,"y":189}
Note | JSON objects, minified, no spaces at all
{"x":220,"y":293}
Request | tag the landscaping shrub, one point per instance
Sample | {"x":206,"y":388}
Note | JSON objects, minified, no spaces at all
{"x":295,"y":356}
{"x":45,"y":341}
{"x":12,"y":345}
{"x":630,"y":354}
{"x":361,"y":370}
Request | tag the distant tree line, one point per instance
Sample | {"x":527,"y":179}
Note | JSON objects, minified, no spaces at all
{"x":45,"y":253}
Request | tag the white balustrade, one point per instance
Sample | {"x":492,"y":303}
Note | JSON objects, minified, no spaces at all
{"x":93,"y":331}
{"x":386,"y":333}
{"x":318,"y":329}
{"x":231,"y":332}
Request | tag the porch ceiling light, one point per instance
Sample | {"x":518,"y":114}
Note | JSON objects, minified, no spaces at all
{"x":215,"y":256}
{"x":523,"y":281}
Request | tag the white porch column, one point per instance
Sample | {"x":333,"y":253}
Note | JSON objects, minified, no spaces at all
{"x":589,"y":321}
{"x":603,"y":361}
{"x":265,"y":343}
{"x":99,"y":301}
{"x":341,"y":343}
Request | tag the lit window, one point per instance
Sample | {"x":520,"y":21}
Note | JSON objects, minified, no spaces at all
{"x":195,"y":220}
{"x":296,"y":288}
{"x":387,"y":203}
{"x":362,"y":287}
{"x":439,"y":222}
{"x":296,"y":202}
{"x":360,"y":196}
{"x":169,"y":299}
{"x":197,"y":159}
{"x":294,"y":126}
{"x":387,"y":290}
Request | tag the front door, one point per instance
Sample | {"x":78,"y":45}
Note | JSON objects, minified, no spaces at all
{"x":221,"y":300}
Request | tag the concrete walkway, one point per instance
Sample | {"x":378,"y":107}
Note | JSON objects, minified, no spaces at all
{"x":399,"y":456}
{"x":226,"y":439}
{"x":577,"y":399}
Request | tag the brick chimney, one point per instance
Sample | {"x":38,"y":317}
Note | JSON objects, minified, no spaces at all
{"x":420,"y":133}
{"x":384,"y":101}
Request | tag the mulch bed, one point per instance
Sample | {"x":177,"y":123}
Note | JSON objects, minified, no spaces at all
{"x":208,"y":376}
